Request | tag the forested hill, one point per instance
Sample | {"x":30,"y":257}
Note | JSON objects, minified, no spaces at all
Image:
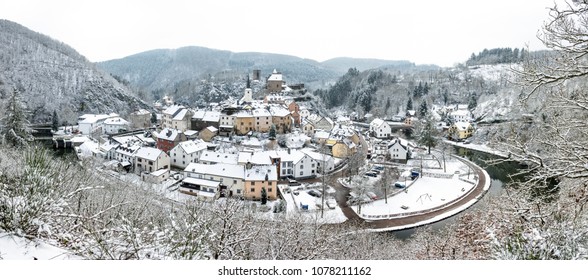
{"x":497,"y":56}
{"x":163,"y":69}
{"x":52,"y":76}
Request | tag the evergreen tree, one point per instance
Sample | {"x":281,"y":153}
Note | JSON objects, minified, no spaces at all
{"x":272,"y":132}
{"x":153,"y":118}
{"x":263,"y":196}
{"x":55,"y":121}
{"x":473,"y":102}
{"x":409,"y":104}
{"x":423,"y":109}
{"x":15,"y":124}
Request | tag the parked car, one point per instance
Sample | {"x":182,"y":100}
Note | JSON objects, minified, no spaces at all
{"x":372,"y":195}
{"x":292,"y":182}
{"x":370,"y":174}
{"x":400,"y":185}
{"x":314,"y":193}
{"x":331,"y":203}
{"x":378,"y":167}
{"x":296,"y":192}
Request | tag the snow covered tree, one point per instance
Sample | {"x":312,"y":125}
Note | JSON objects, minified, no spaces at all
{"x":15,"y":124}
{"x":549,"y":205}
{"x":55,"y":121}
{"x":409,"y":104}
{"x":426,"y":132}
{"x":423,"y":109}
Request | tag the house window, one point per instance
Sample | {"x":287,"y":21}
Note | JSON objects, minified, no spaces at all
{"x":269,"y":189}
{"x":253,"y":183}
{"x":252,"y":189}
{"x":238,"y":191}
{"x":234,"y":181}
{"x":301,"y":173}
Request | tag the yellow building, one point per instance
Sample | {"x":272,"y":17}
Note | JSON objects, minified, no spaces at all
{"x":460,"y":130}
{"x":262,"y":120}
{"x":258,"y":177}
{"x":244,"y":122}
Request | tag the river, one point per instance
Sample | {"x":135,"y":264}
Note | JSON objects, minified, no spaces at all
{"x":499,"y":174}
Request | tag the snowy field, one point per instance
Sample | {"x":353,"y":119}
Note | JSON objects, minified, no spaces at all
{"x":331,"y":215}
{"x":425,"y":193}
{"x":13,"y":247}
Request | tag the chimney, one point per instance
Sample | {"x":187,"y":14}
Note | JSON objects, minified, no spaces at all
{"x":288,"y":150}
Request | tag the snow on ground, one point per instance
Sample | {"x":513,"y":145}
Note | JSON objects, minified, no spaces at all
{"x":425,"y":193}
{"x":13,"y":247}
{"x":295,"y":201}
{"x":437,"y":188}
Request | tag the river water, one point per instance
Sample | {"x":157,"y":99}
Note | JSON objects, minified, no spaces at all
{"x":499,"y":175}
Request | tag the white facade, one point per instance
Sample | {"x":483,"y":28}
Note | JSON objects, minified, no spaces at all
{"x":151,"y":159}
{"x":230,"y":175}
{"x":187,"y":152}
{"x":399,"y":150}
{"x":461,"y":115}
{"x":115,"y":125}
{"x":90,"y":124}
{"x":380,"y":129}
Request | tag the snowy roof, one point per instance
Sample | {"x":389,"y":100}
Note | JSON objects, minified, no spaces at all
{"x":316,"y":155}
{"x":296,"y":140}
{"x":172,"y":110}
{"x":321,"y":134}
{"x":259,"y":172}
{"x":199,"y":114}
{"x":115,"y":121}
{"x":221,"y":169}
{"x":292,"y":155}
{"x":180,"y":115}
{"x":148,"y":153}
{"x":108,"y":146}
{"x":190,"y":147}
{"x":462,"y":125}
{"x":211,"y":116}
{"x":141,"y":112}
{"x":215,"y":157}
{"x":378,"y":122}
{"x":190,"y":132}
{"x":128,"y":150}
{"x":90,"y":148}
{"x":251,"y":142}
{"x":169,"y":134}
{"x":261,"y":113}
{"x":275,"y":76}
{"x":278,"y":111}
{"x":212,"y":129}
{"x":91,"y":118}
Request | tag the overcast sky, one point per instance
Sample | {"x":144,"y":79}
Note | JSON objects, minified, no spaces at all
{"x":425,"y":32}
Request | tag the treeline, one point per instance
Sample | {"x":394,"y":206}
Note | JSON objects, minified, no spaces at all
{"x":497,"y":56}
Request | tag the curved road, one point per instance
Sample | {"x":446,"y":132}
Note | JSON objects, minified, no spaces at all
{"x":342,"y":193}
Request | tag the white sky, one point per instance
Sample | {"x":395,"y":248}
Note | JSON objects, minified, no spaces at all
{"x":424,"y":32}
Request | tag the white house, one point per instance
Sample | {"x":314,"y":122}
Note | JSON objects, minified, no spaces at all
{"x":151,"y":159}
{"x":90,"y":124}
{"x":187,"y":152}
{"x":125,"y":154}
{"x":115,"y":125}
{"x":230,"y":175}
{"x":294,"y":163}
{"x":322,"y":160}
{"x":399,"y":150}
{"x":380,"y":129}
{"x":461,"y":115}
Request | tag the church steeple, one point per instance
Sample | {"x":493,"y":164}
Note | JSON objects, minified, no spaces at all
{"x":248,"y":82}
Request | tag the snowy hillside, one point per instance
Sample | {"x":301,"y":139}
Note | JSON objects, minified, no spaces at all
{"x":53,"y":76}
